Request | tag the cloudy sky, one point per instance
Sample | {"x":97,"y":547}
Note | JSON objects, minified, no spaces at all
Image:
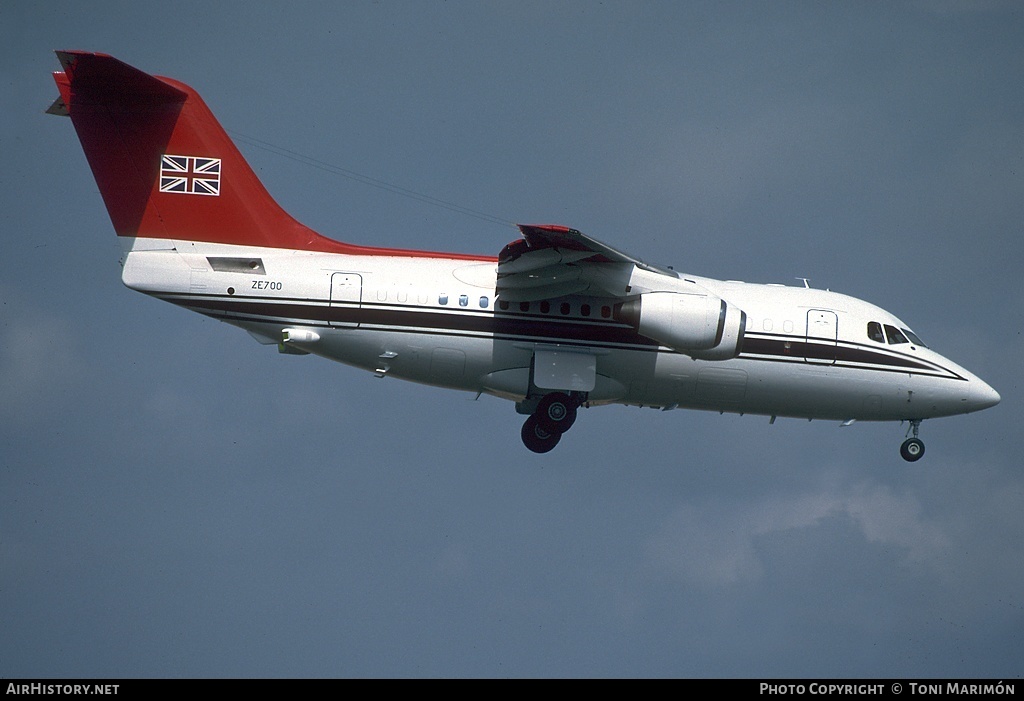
{"x":177,"y":500}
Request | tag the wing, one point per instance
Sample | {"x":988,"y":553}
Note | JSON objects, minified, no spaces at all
{"x":555,"y":261}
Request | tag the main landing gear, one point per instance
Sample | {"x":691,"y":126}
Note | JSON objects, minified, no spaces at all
{"x":555,"y":414}
{"x":913,"y":448}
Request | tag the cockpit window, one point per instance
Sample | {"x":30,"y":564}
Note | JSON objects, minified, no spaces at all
{"x":914,"y":338}
{"x":875,"y":332}
{"x":894,"y":335}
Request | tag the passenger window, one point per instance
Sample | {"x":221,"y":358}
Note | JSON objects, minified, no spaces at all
{"x":483,"y":303}
{"x":524,"y":306}
{"x":894,"y":335}
{"x":545,"y":307}
{"x":503,"y":304}
{"x":875,"y":332}
{"x":606,"y":312}
{"x":463,"y":300}
{"x":585,"y":309}
{"x":564,"y":308}
{"x":442,"y":298}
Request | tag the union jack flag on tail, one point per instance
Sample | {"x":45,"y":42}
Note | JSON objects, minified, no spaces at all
{"x":191,"y":175}
{"x":149,"y":139}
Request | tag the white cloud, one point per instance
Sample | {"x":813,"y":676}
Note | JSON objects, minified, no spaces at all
{"x":715,"y":544}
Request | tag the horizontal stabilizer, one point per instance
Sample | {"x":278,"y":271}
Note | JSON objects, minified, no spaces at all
{"x":100,"y":79}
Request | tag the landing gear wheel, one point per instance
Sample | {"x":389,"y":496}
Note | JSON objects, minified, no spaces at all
{"x":556,"y":412}
{"x":537,"y":438}
{"x":912,"y":449}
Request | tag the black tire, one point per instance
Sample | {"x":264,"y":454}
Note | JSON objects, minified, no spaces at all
{"x":537,"y":438}
{"x":912,"y":449}
{"x":556,"y":412}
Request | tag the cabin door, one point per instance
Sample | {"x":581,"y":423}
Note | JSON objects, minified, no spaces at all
{"x":346,"y":300}
{"x":822,"y":337}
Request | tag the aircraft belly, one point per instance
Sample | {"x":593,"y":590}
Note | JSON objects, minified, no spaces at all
{"x":772,"y":389}
{"x":456,"y":362}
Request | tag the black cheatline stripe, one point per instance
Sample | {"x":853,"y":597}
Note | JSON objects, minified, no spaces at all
{"x":191,"y":300}
{"x":491,"y":324}
{"x":797,"y":349}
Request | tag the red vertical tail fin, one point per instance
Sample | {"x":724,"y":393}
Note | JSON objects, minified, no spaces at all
{"x":164,"y":165}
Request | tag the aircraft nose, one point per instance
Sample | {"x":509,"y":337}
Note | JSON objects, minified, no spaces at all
{"x":982,"y":396}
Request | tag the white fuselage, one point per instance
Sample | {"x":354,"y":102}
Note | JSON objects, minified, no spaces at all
{"x":435,"y":320}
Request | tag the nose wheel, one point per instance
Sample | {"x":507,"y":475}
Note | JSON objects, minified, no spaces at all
{"x":912,"y":449}
{"x":555,"y":414}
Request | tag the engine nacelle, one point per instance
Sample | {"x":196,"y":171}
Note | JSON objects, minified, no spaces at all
{"x":699,"y":325}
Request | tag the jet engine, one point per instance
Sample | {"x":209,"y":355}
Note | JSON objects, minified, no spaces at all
{"x":700,"y":325}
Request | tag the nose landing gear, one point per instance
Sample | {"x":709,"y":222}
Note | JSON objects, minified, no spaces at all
{"x":913,"y":448}
{"x":555,"y":414}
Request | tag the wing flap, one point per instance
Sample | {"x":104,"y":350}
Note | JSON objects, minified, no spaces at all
{"x":537,"y":294}
{"x":550,"y":275}
{"x":542,"y":258}
{"x":555,"y":261}
{"x":566,"y":239}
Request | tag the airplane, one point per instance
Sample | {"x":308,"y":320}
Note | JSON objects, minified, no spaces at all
{"x":556,"y":322}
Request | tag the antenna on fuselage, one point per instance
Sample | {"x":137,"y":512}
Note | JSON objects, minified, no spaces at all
{"x":807,"y":283}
